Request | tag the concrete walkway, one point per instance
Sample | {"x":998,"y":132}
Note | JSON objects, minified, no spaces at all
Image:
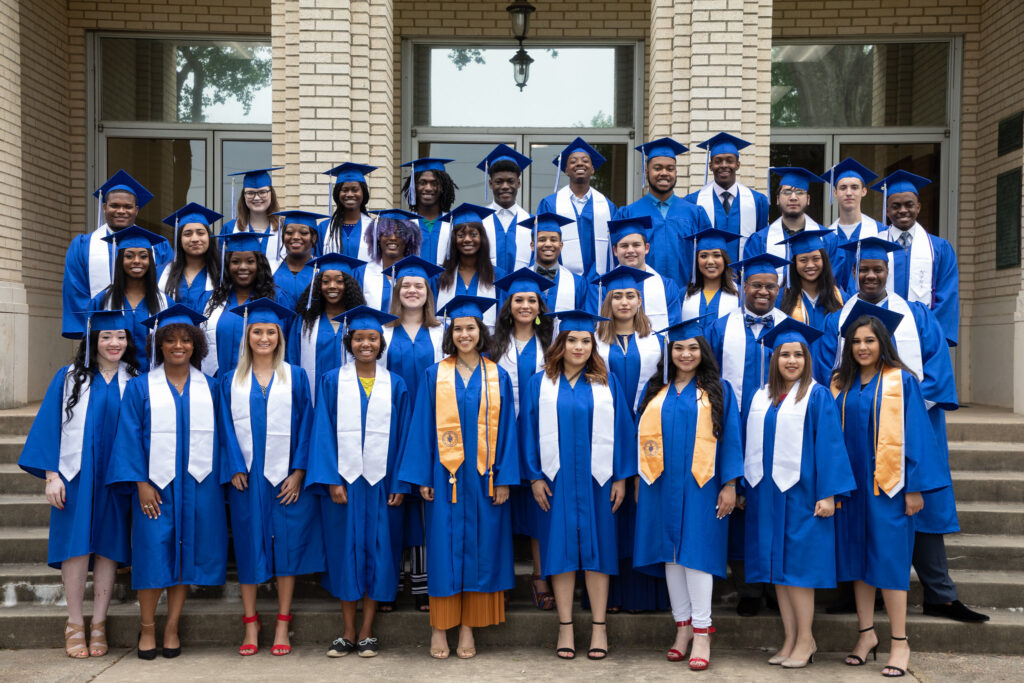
{"x":309,"y":664}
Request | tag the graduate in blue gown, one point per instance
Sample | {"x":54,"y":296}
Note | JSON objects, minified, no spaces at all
{"x":462,"y":453}
{"x":393,"y":236}
{"x":299,"y":240}
{"x":849,"y":181}
{"x":345,"y":230}
{"x":578,"y":448}
{"x":794,"y":469}
{"x":503,"y":169}
{"x":88,"y":264}
{"x":895,"y":461}
{"x":741,"y":212}
{"x":134,"y":288}
{"x":809,"y":291}
{"x":690,"y":456}
{"x":264,"y":410}
{"x":245,"y":275}
{"x":166,"y":459}
{"x":88,"y":523}
{"x":570,"y":291}
{"x":586,"y":250}
{"x":430,"y":191}
{"x":467,"y":267}
{"x":314,"y":339}
{"x":672,"y":217}
{"x":353,"y":466}
{"x":630,"y":248}
{"x":711,"y":293}
{"x":196,"y":265}
{"x":253,"y":212}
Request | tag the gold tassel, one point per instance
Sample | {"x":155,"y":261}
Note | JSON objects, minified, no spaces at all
{"x":454,"y":498}
{"x":490,"y":484}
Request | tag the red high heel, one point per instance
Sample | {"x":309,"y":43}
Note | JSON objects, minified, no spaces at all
{"x":281,"y":650}
{"x":699,"y":663}
{"x":249,"y":649}
{"x":675,"y":655}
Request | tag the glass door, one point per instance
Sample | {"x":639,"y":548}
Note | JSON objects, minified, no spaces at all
{"x":467,"y":153}
{"x":236,"y":151}
{"x":805,"y":151}
{"x":612,"y":179}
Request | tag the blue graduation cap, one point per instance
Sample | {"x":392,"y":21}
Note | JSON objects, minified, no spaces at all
{"x":662,"y":147}
{"x":122,"y":182}
{"x":889,"y":319}
{"x":622,"y":277}
{"x":335,"y":261}
{"x":789,"y":330}
{"x":307,"y":218}
{"x":133,"y":237}
{"x":806,"y":241}
{"x":257,"y":177}
{"x":901,"y":181}
{"x":193,"y":213}
{"x":414,"y":266}
{"x":687,"y":329}
{"x":427,"y":164}
{"x":396,"y":214}
{"x":350,"y":172}
{"x":723,"y":143}
{"x":794,"y":176}
{"x":504,"y":153}
{"x":637,"y":225}
{"x":466,"y":306}
{"x":871,"y":248}
{"x":546,"y":222}
{"x":576,"y":320}
{"x":243,"y":241}
{"x":264,"y":310}
{"x":178,"y":314}
{"x":466,"y":213}
{"x":524,"y":280}
{"x":762,"y":264}
{"x":848,"y":168}
{"x":712,"y":238}
{"x":365,"y":318}
{"x":578,"y":145}
{"x":99,"y":321}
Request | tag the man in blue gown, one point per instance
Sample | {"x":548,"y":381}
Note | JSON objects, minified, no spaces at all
{"x":503,"y":167}
{"x":849,"y":181}
{"x":662,"y":301}
{"x":571,"y":291}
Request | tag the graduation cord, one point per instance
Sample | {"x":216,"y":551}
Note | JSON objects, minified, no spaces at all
{"x":707,"y":162}
{"x":558,"y":173}
{"x":487,"y":430}
{"x":330,"y":194}
{"x":234,"y":211}
{"x":88,"y":334}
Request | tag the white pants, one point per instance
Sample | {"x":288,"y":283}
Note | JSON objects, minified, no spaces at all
{"x":689,"y":590}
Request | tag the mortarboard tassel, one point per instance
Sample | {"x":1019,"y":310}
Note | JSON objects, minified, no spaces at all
{"x":113,"y":260}
{"x":707,"y":164}
{"x":330,"y":195}
{"x":99,"y":212}
{"x":693,"y":272}
{"x":152,"y":345}
{"x":222,"y":253}
{"x":88,"y":341}
{"x":245,"y":334}
{"x":643,"y":169}
{"x":175,"y":259}
{"x":312,"y":286}
{"x":665,"y":361}
{"x":344,"y":333}
{"x":487,"y":168}
{"x":558,"y":171}
{"x":410,"y":194}
{"x":233,"y":210}
{"x":831,"y":184}
{"x":885,"y":206}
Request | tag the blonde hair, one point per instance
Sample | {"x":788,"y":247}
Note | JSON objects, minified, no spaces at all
{"x":429,"y":318}
{"x":244,"y":366}
{"x":606,"y":328}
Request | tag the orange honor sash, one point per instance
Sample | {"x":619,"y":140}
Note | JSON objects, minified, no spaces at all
{"x":800,"y":315}
{"x":651,"y":440}
{"x":888,"y":430}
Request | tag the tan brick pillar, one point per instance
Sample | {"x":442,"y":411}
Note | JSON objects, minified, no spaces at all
{"x":710,"y":70}
{"x":333,"y":80}
{"x":13,"y":306}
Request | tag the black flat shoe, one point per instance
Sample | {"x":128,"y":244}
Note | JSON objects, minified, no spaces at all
{"x":171,"y":652}
{"x":956,"y":610}
{"x":748,"y":607}
{"x":148,"y":655}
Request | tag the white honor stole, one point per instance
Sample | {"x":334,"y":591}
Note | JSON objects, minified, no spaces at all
{"x":271,"y":248}
{"x":522,"y":237}
{"x":161,"y":283}
{"x":906,"y":338}
{"x":565,"y":290}
{"x":163,"y":427}
{"x":789,"y":438}
{"x":649,"y":348}
{"x":72,"y":432}
{"x":776,"y":233}
{"x":920,"y":268}
{"x":602,"y":436}
{"x":373,"y":286}
{"x":487,"y":291}
{"x":727,"y":303}
{"x":358,"y":456}
{"x":444,"y":239}
{"x":100,"y":266}
{"x":748,"y":209}
{"x":209,"y":327}
{"x":277,"y":453}
{"x":868,"y":228}
{"x":655,"y":303}
{"x":734,"y":349}
{"x":510,"y":361}
{"x":572,"y":252}
{"x":436,"y":336}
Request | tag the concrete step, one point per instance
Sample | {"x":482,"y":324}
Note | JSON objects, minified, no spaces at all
{"x":10,"y":448}
{"x":1000,"y":456}
{"x":975,"y":486}
{"x":17,"y":421}
{"x":23,"y":544}
{"x":24,"y":509}
{"x":319,"y":622}
{"x":991,"y":518}
{"x":13,"y":479}
{"x":985,"y":551}
{"x":981,"y":423}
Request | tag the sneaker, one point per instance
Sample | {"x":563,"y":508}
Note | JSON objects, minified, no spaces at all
{"x":340,"y":647}
{"x":368,"y":647}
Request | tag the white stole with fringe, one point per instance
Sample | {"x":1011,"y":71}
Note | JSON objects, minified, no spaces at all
{"x":655,"y":303}
{"x":920,"y":267}
{"x":99,"y":260}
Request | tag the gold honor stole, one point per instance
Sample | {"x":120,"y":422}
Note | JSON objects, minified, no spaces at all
{"x":449,"y":429}
{"x":800,"y":314}
{"x":888,"y":430}
{"x":651,"y":440}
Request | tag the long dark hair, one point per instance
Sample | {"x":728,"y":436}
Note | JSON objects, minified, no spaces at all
{"x":826,"y":288}
{"x":199,"y":345}
{"x":350,"y":298}
{"x":446,"y":187}
{"x":728,"y":281}
{"x":849,"y":369}
{"x":504,"y":326}
{"x":262,"y":286}
{"x":115,"y":292}
{"x":80,"y":373}
{"x":176,"y":269}
{"x":777,"y":384}
{"x":483,"y":265}
{"x":708,"y":378}
{"x":338,"y":217}
{"x":448,"y":347}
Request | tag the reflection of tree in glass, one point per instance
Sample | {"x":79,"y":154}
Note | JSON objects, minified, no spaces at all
{"x":462,"y":57}
{"x":816,"y":85}
{"x":211,"y":74}
{"x":599,"y":120}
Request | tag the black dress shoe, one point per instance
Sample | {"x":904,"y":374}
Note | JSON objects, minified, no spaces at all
{"x":956,"y":610}
{"x":171,"y":652}
{"x":148,"y":655}
{"x":748,"y":607}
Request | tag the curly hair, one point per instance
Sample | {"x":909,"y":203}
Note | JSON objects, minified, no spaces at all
{"x":262,"y":286}
{"x":483,"y":265}
{"x":80,"y":373}
{"x":504,"y":326}
{"x":347,"y":343}
{"x":408,"y":231}
{"x":595,"y":371}
{"x":350,"y":298}
{"x":334,"y":228}
{"x":446,"y":187}
{"x":199,"y":345}
{"x":176,"y":269}
{"x":826,"y":287}
{"x":727,"y":284}
{"x":114,"y":297}
{"x":708,"y":378}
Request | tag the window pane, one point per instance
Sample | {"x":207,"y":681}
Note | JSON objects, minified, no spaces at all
{"x":859,"y":85}
{"x":185,"y":81}
{"x":810,"y":156}
{"x":574,"y":87}
{"x":610,"y":180}
{"x":463,"y":170}
{"x":243,"y":155}
{"x":924,"y":159}
{"x":173,"y":170}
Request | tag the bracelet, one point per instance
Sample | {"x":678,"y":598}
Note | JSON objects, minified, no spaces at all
{"x":49,"y":479}
{"x":732,"y":485}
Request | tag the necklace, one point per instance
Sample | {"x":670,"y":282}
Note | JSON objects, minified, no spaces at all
{"x":572,"y":379}
{"x":466,"y":365}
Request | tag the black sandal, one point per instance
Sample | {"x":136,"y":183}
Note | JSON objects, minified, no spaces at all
{"x":899,"y":672}
{"x":861,"y":662}
{"x":570,"y":651}
{"x":597,"y":653}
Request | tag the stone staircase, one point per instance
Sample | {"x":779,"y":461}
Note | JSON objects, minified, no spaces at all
{"x":986,"y":560}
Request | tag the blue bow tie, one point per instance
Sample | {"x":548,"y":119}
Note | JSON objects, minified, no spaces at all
{"x":751,"y":320}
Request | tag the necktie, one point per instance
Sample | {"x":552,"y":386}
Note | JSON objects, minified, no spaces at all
{"x":751,"y":320}
{"x":726,"y":202}
{"x":549,"y":273}
{"x":905,"y":239}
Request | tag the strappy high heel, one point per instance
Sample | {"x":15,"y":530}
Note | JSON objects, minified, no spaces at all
{"x":566,"y":652}
{"x":249,"y":649}
{"x":858,"y":660}
{"x":74,"y":641}
{"x":281,"y":650}
{"x":98,"y":639}
{"x":674,"y":655}
{"x":597,"y":653}
{"x":699,"y":663}
{"x":896,"y":672}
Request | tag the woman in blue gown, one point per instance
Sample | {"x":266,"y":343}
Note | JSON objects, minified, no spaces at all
{"x":165,"y":457}
{"x":467,"y":267}
{"x":463,"y":455}
{"x":394,"y":235}
{"x":299,"y":240}
{"x":69,"y":446}
{"x":691,"y":455}
{"x":353,"y":466}
{"x":794,"y":466}
{"x":712,"y":289}
{"x":264,"y":410}
{"x":254,"y":212}
{"x":196,"y":265}
{"x":349,"y":222}
{"x":875,"y":527}
{"x":578,"y":448}
{"x":810,"y":292}
{"x":133,"y":288}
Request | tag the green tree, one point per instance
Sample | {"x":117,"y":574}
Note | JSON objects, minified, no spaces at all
{"x":210,"y":74}
{"x":598,"y":120}
{"x":462,"y":57}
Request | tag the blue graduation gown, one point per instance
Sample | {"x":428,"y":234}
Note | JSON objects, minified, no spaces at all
{"x":270,"y":539}
{"x":525,"y":512}
{"x":671,"y":253}
{"x":93,"y":520}
{"x":471,"y":289}
{"x":363,"y":537}
{"x":351,"y":237}
{"x":384,"y":304}
{"x":290,"y":286}
{"x":710,"y":308}
{"x":75,"y":292}
{"x":328,"y":346}
{"x":626,"y":368}
{"x":757,"y":243}
{"x":945,"y":285}
{"x":814,"y":310}
{"x":730,"y":222}
{"x":755,"y":358}
{"x":505,"y":242}
{"x":579,"y":531}
{"x":785,"y":543}
{"x":188,"y":542}
{"x":674,"y":510}
{"x":844,"y":262}
{"x":230,"y":328}
{"x":431,"y":248}
{"x":469,"y":543}
{"x":188,"y":294}
{"x":874,"y":536}
{"x":586,"y":293}
{"x":135,"y":316}
{"x":585,"y":226}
